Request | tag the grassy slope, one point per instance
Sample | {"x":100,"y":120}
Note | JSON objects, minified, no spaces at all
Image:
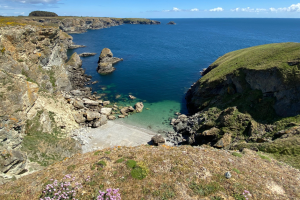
{"x":171,"y":173}
{"x":258,"y":58}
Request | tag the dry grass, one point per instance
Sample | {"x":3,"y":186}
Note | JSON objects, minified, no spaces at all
{"x":174,"y":173}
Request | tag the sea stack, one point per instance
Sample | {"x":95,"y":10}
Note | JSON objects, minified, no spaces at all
{"x":171,"y":23}
{"x":106,"y":61}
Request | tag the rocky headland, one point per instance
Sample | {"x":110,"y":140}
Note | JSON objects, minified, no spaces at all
{"x":171,"y":23}
{"x":247,"y":99}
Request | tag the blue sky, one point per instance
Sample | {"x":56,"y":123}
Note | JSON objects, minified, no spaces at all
{"x":156,"y":8}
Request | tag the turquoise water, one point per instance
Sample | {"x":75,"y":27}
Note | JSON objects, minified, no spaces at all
{"x":162,"y":61}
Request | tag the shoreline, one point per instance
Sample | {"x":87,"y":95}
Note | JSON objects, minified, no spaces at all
{"x":112,"y":134}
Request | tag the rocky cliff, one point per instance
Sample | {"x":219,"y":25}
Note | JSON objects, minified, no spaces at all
{"x":33,"y":74}
{"x":82,"y":24}
{"x":247,"y":96}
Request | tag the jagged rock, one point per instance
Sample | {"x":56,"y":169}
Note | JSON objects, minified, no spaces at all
{"x":139,"y":106}
{"x":158,"y":140}
{"x":106,"y":61}
{"x":126,"y":110}
{"x":224,"y":142}
{"x":78,"y":104}
{"x":91,"y":115}
{"x":106,"y":111}
{"x":76,"y":92}
{"x":105,"y":103}
{"x":132,"y":97}
{"x":111,"y":117}
{"x":89,"y":102}
{"x":100,"y":122}
{"x":74,"y":46}
{"x":12,"y":161}
{"x":79,"y":117}
{"x":86,"y":54}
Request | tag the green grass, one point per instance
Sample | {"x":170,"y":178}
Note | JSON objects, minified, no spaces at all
{"x":120,"y":160}
{"x":236,"y":170}
{"x":131,"y":163}
{"x":257,"y":58}
{"x":205,"y":189}
{"x":237,"y":154}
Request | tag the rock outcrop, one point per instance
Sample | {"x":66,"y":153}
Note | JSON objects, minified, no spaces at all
{"x":171,"y":23}
{"x":139,"y":106}
{"x":86,"y":54}
{"x":106,"y":61}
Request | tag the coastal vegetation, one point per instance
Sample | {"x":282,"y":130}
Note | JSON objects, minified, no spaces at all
{"x":163,"y":172}
{"x":42,"y":14}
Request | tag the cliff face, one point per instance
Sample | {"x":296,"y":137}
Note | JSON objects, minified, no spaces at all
{"x":32,"y":74}
{"x":245,"y":98}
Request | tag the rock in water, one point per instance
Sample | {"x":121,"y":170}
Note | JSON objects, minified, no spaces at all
{"x":158,"y":140}
{"x":171,"y":23}
{"x":132,"y":97}
{"x":85,"y":54}
{"x":139,"y":106}
{"x":106,"y":61}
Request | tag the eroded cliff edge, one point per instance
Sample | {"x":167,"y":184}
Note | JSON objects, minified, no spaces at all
{"x":248,"y":98}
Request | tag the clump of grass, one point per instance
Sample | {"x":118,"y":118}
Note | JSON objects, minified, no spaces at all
{"x":101,"y":163}
{"x":140,"y":171}
{"x":131,"y":163}
{"x":120,"y":160}
{"x":236,"y":170}
{"x":71,"y":167}
{"x":205,"y":189}
{"x":97,"y":153}
{"x":237,"y":154}
{"x":107,"y":152}
{"x":263,"y":156}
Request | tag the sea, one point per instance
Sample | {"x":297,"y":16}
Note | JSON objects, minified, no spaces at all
{"x":161,"y":62}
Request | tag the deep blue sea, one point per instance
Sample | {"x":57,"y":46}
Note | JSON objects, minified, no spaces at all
{"x":162,"y":61}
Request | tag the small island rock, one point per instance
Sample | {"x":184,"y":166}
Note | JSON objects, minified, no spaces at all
{"x":171,"y":23}
{"x":106,"y":61}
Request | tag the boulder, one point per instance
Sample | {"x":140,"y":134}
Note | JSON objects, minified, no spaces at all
{"x":90,"y":102}
{"x":121,"y":116}
{"x":105,"y":103}
{"x":106,"y":111}
{"x":126,"y":110}
{"x":78,"y":104}
{"x":100,"y":122}
{"x":91,"y":115}
{"x":158,"y":140}
{"x":79,"y":117}
{"x":132,"y":97}
{"x":111,"y":117}
{"x":75,"y":46}
{"x":76,"y":92}
{"x":224,"y":142}
{"x":139,"y":106}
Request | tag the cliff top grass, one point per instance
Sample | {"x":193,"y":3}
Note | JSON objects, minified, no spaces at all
{"x":165,"y":173}
{"x":258,"y":58}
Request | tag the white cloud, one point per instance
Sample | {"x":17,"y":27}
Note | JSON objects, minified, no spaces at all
{"x":37,"y":1}
{"x":176,"y":9}
{"x":292,"y":8}
{"x":218,"y":9}
{"x":5,"y":7}
{"x":248,"y":9}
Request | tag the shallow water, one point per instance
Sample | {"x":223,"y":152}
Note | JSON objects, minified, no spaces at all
{"x":162,"y":61}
